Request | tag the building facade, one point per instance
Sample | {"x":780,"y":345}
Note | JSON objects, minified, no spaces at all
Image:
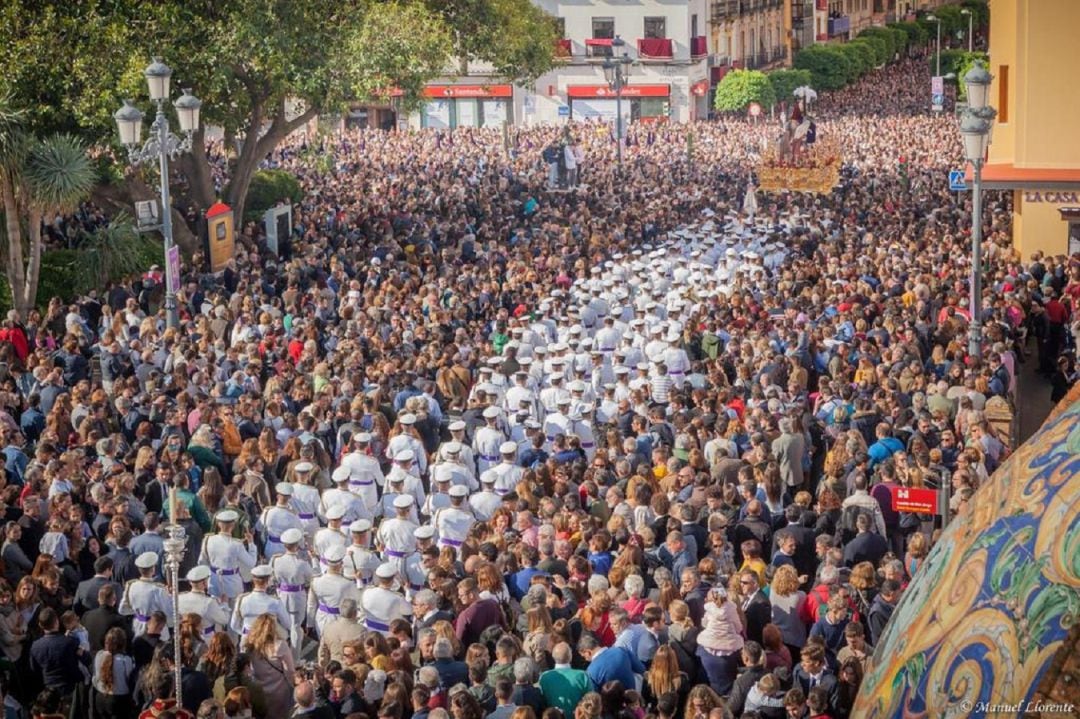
{"x":667,"y":80}
{"x":1035,"y":148}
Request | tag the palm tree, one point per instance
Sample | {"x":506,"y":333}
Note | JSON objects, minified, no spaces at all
{"x":38,"y":178}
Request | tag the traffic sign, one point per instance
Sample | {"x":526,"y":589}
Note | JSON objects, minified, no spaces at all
{"x":937,"y":85}
{"x":938,"y":99}
{"x":564,"y":111}
{"x":956,"y":181}
{"x":919,"y":501}
{"x":755,"y":109}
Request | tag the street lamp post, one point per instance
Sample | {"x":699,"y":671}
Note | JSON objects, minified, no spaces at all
{"x":161,"y":146}
{"x":615,"y":71}
{"x":975,"y":126}
{"x":967,"y":12}
{"x":936,"y":20}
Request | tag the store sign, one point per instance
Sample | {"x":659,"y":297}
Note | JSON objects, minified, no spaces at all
{"x":1054,"y":197}
{"x":920,"y":501}
{"x":628,"y":91}
{"x":443,"y":91}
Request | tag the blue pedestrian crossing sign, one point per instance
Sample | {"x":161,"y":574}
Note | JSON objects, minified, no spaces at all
{"x":956,"y":181}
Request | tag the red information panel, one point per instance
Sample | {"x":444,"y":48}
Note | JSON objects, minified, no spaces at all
{"x":921,"y":501}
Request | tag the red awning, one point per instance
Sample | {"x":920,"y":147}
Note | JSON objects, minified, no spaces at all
{"x":444,"y":91}
{"x":628,"y":91}
{"x":598,"y":41}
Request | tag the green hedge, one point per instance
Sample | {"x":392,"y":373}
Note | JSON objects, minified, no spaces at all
{"x":878,"y":45}
{"x":268,"y":188}
{"x":884,"y":41}
{"x":784,"y":82}
{"x":861,"y":58}
{"x":70,"y":273}
{"x":829,"y":67}
{"x":739,"y":88}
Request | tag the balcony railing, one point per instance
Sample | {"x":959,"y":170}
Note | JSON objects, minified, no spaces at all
{"x":655,"y":48}
{"x":723,"y":10}
{"x":598,"y":47}
{"x":839,"y":25}
{"x":822,"y":5}
{"x":699,"y":46}
{"x":765,"y":57}
{"x":564,"y":48}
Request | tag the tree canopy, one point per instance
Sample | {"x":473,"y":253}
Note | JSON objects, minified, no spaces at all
{"x":261,"y":67}
{"x":739,"y":88}
{"x":829,"y":67}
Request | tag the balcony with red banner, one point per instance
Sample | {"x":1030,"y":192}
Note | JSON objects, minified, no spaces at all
{"x":598,"y":46}
{"x":822,"y":5}
{"x":699,"y":46}
{"x":564,"y":48}
{"x":655,"y":48}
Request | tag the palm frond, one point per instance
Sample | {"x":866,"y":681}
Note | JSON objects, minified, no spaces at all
{"x":12,"y":122}
{"x":58,"y":173}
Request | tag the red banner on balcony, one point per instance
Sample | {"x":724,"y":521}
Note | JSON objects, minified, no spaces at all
{"x":628,"y":91}
{"x":564,"y":48}
{"x":598,"y":41}
{"x":700,"y":88}
{"x":699,"y":46}
{"x":823,"y":5}
{"x":441,"y":91}
{"x":655,"y":47}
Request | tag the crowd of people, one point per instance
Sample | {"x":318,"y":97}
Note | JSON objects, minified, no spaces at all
{"x":473,"y":449}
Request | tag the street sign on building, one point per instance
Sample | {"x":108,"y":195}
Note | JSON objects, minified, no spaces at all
{"x":911,"y":499}
{"x":956,"y":181}
{"x":564,"y":111}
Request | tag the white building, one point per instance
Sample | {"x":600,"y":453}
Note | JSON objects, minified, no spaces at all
{"x":668,"y":79}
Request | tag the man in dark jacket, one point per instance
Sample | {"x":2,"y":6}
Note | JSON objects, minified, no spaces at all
{"x":752,"y":527}
{"x":867,"y":546}
{"x":882,"y":608}
{"x":756,"y":607}
{"x":752,"y":655}
{"x":103,"y":617}
{"x":86,"y":594}
{"x":55,"y":656}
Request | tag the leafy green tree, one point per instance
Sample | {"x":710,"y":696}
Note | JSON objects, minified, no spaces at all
{"x":879,"y":48}
{"x":916,"y":33}
{"x":268,"y":188}
{"x":739,"y":88}
{"x":860,"y":59}
{"x":887,"y":39}
{"x":784,"y":83}
{"x":829,"y":68}
{"x":38,"y":178}
{"x":263,"y":68}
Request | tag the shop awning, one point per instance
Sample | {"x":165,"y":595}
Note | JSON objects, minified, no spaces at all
{"x":628,"y":91}
{"x":598,"y":41}
{"x":453,"y":91}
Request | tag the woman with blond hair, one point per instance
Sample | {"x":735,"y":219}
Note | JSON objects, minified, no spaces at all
{"x":272,"y":665}
{"x":701,"y":701}
{"x":589,"y":707}
{"x":790,"y":611}
{"x":538,"y":636}
{"x":664,"y":676}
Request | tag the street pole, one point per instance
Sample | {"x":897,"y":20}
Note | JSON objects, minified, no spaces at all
{"x":971,"y":17}
{"x":174,"y":554}
{"x":975,"y":335}
{"x":938,"y":73}
{"x":161,"y":124}
{"x":618,"y":109}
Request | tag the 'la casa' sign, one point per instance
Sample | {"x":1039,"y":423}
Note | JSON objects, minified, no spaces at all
{"x":1056,"y":197}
